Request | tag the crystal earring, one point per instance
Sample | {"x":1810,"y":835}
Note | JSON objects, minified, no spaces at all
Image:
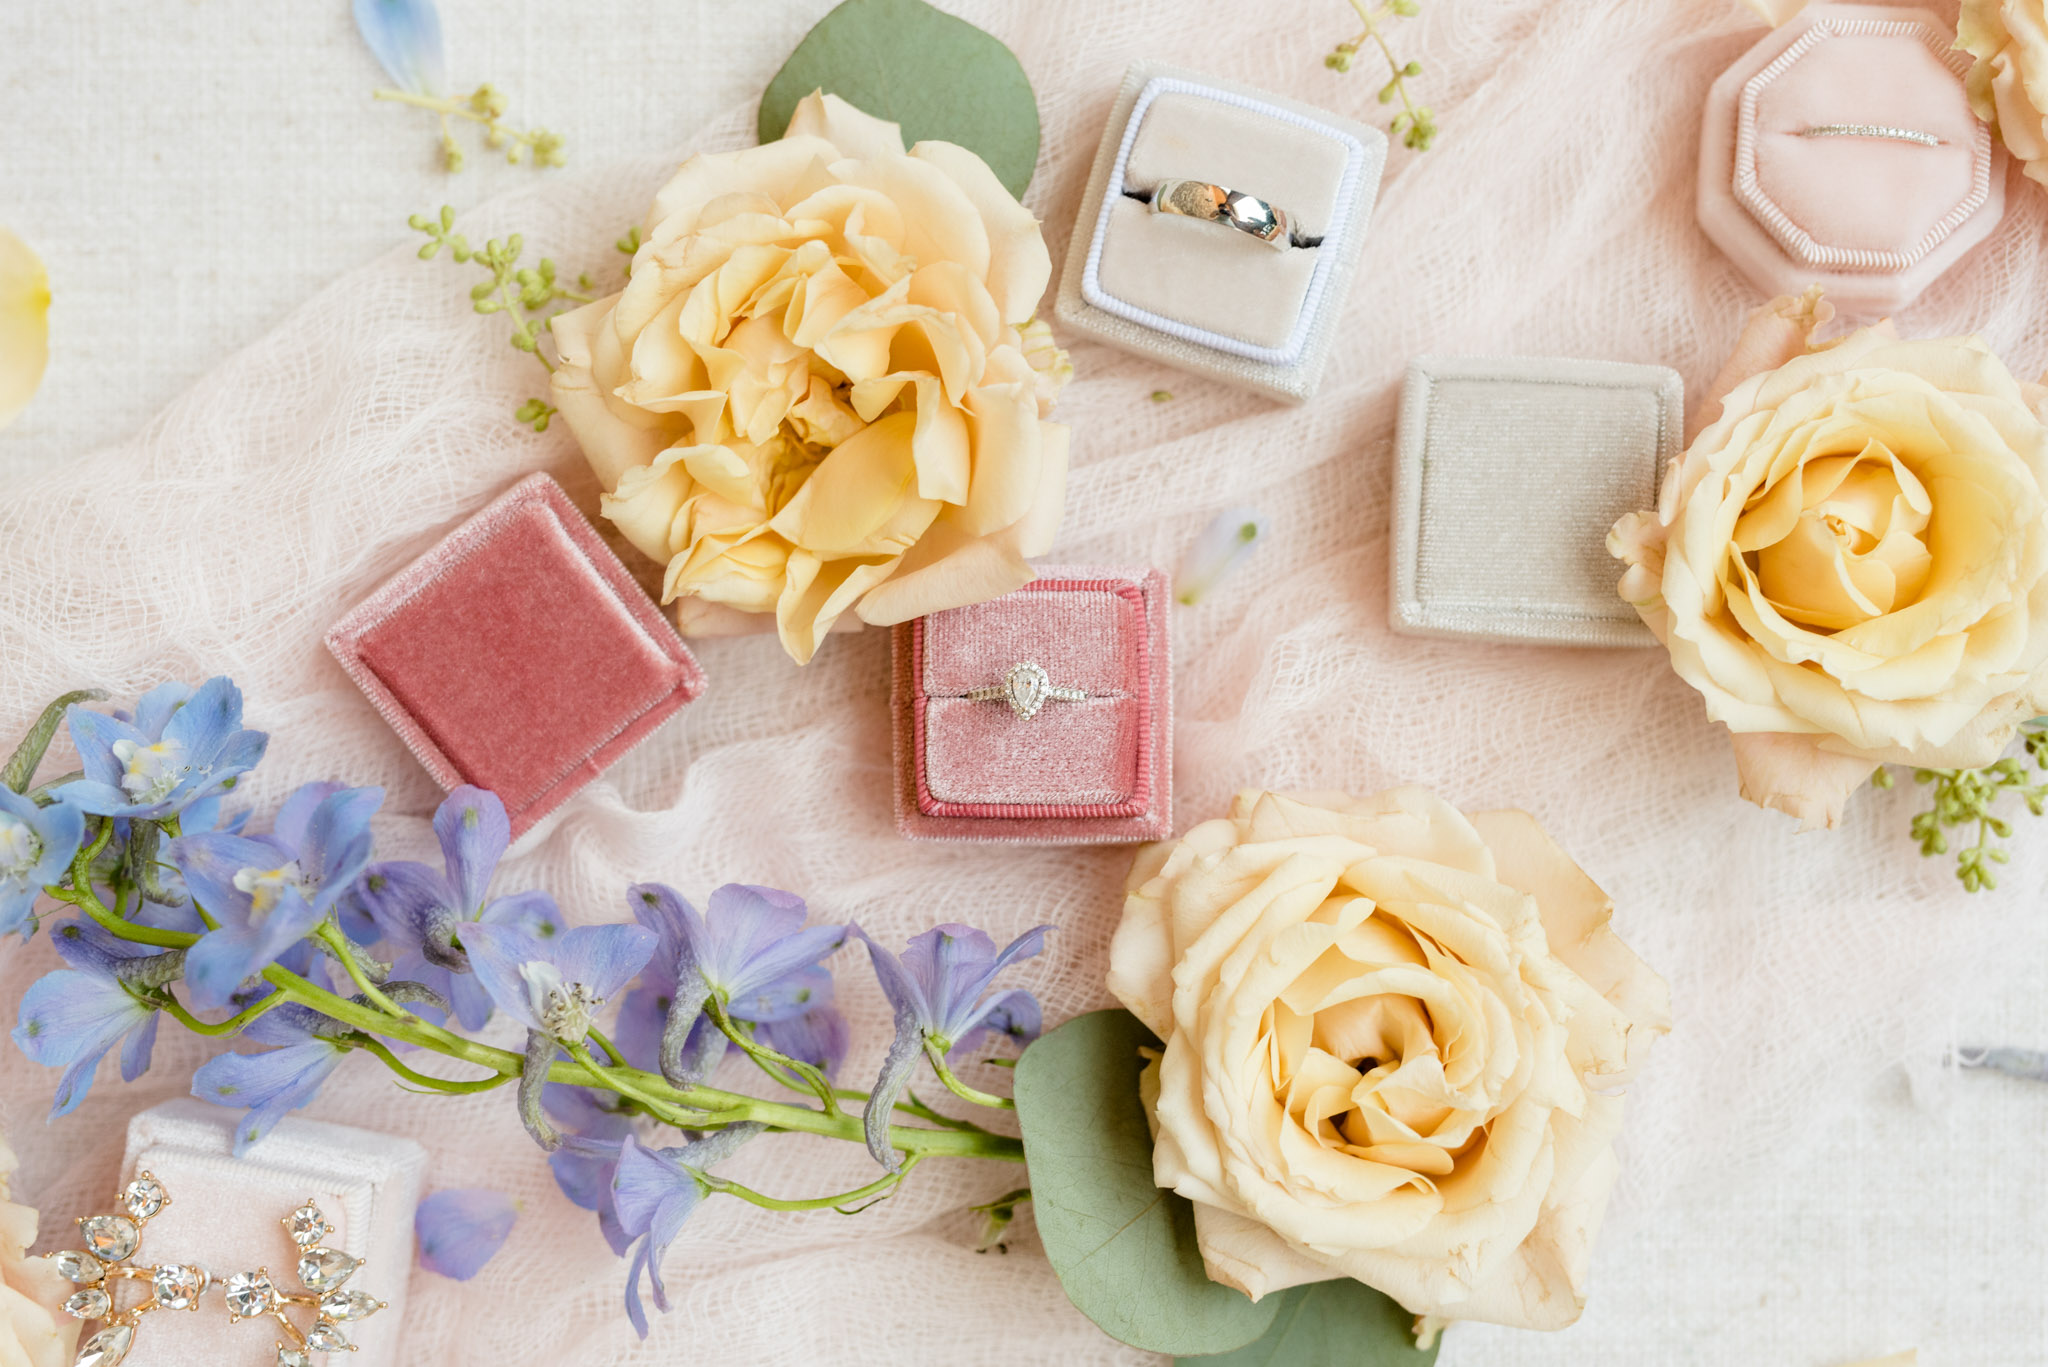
{"x":103,"y":1265}
{"x":321,"y":1271}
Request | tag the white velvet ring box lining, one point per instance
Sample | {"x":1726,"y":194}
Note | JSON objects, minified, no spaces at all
{"x":1508,"y":474}
{"x":1202,"y":296}
{"x":224,"y":1216}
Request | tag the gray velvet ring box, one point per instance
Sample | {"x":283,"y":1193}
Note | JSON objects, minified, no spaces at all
{"x":1202,"y":296}
{"x":1508,"y":473}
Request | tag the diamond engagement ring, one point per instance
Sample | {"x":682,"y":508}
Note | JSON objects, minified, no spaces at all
{"x":1248,"y":214}
{"x":1026,"y":688}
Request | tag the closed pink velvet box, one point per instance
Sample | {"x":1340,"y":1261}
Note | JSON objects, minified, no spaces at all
{"x":518,"y":655}
{"x":1097,"y":771}
{"x":1841,"y":151}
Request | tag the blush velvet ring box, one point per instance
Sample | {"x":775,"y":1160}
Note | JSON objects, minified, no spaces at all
{"x":1841,"y":151}
{"x":518,"y":655}
{"x":1090,"y":769}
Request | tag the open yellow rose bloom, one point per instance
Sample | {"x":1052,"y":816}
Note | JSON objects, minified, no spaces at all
{"x":33,"y":1331}
{"x":24,"y":325}
{"x":1393,"y":1038}
{"x":2009,"y":84}
{"x":816,"y":395}
{"x":1851,"y":565}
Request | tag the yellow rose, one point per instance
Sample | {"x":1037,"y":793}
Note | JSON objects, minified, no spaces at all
{"x":1776,"y":12}
{"x":1851,"y":565}
{"x":2009,"y":84}
{"x":24,"y":325}
{"x":1391,"y":1038}
{"x":33,"y":1331}
{"x":816,"y":394}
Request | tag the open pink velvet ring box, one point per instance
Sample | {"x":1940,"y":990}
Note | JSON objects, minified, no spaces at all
{"x":518,"y":655}
{"x":1090,"y":770}
{"x":1841,"y":151}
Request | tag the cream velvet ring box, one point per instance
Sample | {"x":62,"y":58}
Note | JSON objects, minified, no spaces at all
{"x":226,"y":1215}
{"x":1043,"y":717}
{"x":1841,"y":151}
{"x":1508,"y":474}
{"x":1204,"y":296}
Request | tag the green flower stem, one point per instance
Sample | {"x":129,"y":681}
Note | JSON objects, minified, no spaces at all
{"x":449,"y":1086}
{"x":1416,"y":124}
{"x":233,"y":1025}
{"x":693,"y":1107}
{"x":961,"y":1089}
{"x":773,"y":1062}
{"x":611,"y":1050}
{"x":331,"y":935}
{"x":880,"y":1186}
{"x":486,"y":107}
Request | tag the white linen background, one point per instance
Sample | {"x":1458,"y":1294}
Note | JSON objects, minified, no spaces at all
{"x":192,"y":171}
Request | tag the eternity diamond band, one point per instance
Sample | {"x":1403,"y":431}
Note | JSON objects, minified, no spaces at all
{"x":1026,"y":687}
{"x":1247,"y":214}
{"x":1870,"y":130}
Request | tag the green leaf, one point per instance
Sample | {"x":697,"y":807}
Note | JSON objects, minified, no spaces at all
{"x":1331,"y":1324}
{"x":1123,"y":1248}
{"x":28,"y":756}
{"x":941,"y":78}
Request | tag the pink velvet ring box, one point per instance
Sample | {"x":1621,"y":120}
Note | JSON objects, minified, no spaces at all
{"x":1841,"y":151}
{"x":518,"y":655}
{"x":1094,"y":771}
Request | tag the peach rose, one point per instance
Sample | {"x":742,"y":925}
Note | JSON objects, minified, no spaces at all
{"x":33,"y":1330}
{"x":1851,"y":564}
{"x":1393,"y":1036}
{"x":821,"y":391}
{"x":2009,"y":84}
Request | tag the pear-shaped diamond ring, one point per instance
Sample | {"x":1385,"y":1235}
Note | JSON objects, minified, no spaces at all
{"x":1026,"y":687}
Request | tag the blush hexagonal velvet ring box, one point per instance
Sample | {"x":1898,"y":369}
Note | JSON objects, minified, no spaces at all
{"x":1841,"y":151}
{"x":518,"y":655}
{"x":1043,"y":717}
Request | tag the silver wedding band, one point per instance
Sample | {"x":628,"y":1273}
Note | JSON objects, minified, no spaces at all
{"x":1883,"y":131}
{"x":1026,"y":687}
{"x":1234,"y":209}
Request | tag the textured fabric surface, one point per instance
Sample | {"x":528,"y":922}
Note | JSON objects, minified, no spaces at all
{"x":1785,"y":1199}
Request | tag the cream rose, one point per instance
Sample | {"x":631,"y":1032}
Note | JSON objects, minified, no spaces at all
{"x":818,"y":394}
{"x":2009,"y":84}
{"x":33,"y":1331}
{"x":1851,"y":564}
{"x":1392,"y":1038}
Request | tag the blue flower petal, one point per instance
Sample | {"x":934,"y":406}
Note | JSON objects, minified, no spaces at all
{"x":292,"y":819}
{"x":154,"y":709}
{"x":1219,"y":547}
{"x":225,"y":958}
{"x":209,"y":718}
{"x":533,"y":912}
{"x":270,"y":1084}
{"x":603,"y":958}
{"x":137,"y":1049}
{"x":400,"y":896}
{"x":473,"y":830}
{"x":337,"y":845}
{"x":460,"y":1231}
{"x":495,"y":954}
{"x":406,"y":36}
{"x":818,"y":1037}
{"x":93,"y":734}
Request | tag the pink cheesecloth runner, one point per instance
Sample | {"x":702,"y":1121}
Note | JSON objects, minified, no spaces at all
{"x":1555,"y":217}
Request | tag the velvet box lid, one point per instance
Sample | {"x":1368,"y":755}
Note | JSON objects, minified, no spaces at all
{"x":1841,"y":150}
{"x":518,"y":655}
{"x":1095,"y":771}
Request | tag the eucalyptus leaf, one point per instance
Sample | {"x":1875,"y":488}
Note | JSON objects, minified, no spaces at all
{"x":28,"y":756}
{"x":939,"y":77}
{"x":1124,"y":1249}
{"x":1330,"y":1324}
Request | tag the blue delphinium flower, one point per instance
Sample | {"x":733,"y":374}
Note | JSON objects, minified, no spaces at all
{"x":268,"y":895}
{"x":36,"y":846}
{"x":656,"y":1190}
{"x":750,"y":951}
{"x":460,"y":1231}
{"x":183,"y":747}
{"x":940,"y":991}
{"x":423,"y":911}
{"x":592,"y":1134}
{"x":406,"y":36}
{"x":555,"y":989}
{"x":278,"y":1080}
{"x":71,"y":1018}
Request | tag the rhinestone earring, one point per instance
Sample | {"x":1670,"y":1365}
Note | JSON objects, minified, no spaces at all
{"x":321,"y":1271}
{"x":103,"y":1265}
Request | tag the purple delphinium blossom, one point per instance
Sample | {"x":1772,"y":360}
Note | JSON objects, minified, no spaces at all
{"x":940,"y":991}
{"x":184,"y":746}
{"x":656,"y":1190}
{"x":459,"y":1231}
{"x":72,"y":1017}
{"x":423,"y":912}
{"x":278,"y":1080}
{"x":751,"y":952}
{"x":592,"y":1134}
{"x":268,"y":895}
{"x":406,"y":36}
{"x":36,"y":846}
{"x":555,"y":989}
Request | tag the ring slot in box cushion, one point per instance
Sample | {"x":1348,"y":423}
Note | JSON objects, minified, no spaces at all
{"x":1082,"y":771}
{"x":1901,"y":181}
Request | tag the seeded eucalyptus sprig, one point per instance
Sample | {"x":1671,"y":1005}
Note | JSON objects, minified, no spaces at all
{"x":1415,"y":125}
{"x":1964,"y":796}
{"x":486,"y":105}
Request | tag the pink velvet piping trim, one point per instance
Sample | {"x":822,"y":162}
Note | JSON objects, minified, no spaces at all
{"x":1137,"y":664}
